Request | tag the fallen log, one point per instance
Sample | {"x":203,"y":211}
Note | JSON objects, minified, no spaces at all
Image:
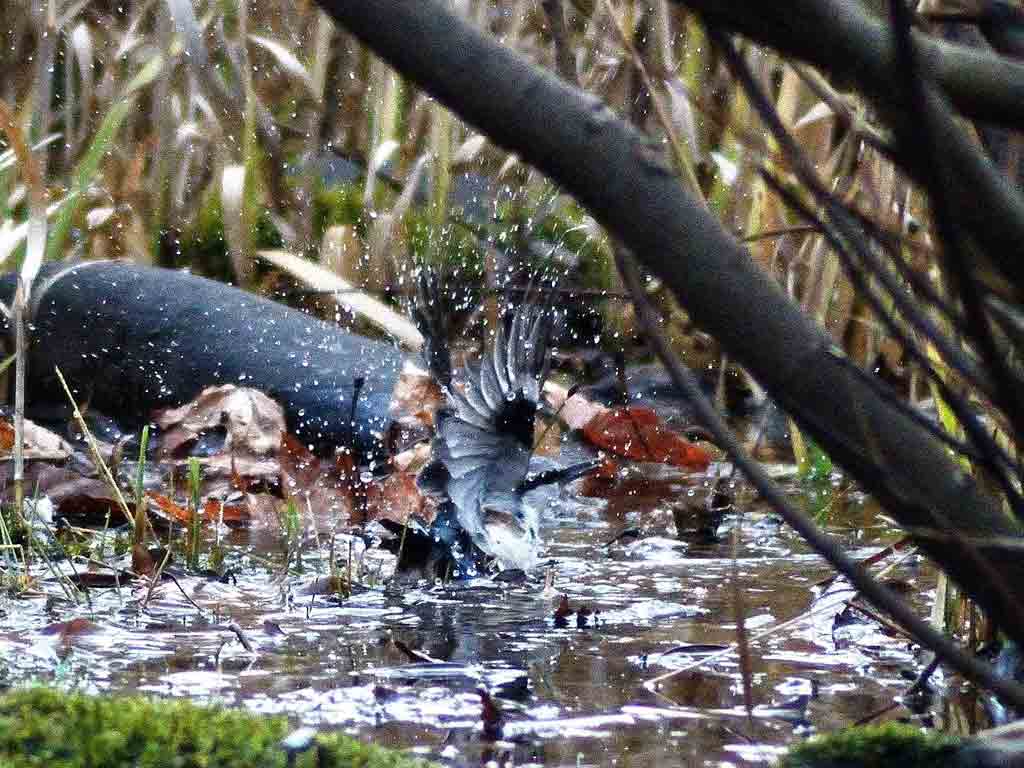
{"x":132,"y":339}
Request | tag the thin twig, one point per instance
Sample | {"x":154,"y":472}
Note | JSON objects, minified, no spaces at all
{"x":846,"y":237}
{"x":95,"y":449}
{"x":924,"y":101}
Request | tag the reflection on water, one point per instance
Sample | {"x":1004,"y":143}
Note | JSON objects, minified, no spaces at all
{"x":572,"y":691}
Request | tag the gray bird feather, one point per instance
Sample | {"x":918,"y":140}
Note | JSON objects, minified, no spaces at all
{"x":484,"y":436}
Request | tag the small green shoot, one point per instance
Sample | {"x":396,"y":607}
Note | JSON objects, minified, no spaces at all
{"x":816,"y":465}
{"x":291,"y":527}
{"x":140,"y":492}
{"x":194,"y":480}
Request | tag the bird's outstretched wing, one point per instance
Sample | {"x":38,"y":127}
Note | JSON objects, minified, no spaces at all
{"x":484,"y":437}
{"x":432,"y":320}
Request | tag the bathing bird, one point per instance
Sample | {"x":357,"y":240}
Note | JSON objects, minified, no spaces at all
{"x":479,"y":471}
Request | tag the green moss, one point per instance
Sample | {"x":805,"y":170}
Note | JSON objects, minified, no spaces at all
{"x":45,"y":727}
{"x":451,"y":248}
{"x":566,"y":228}
{"x":204,"y":248}
{"x":338,"y":206}
{"x":873,"y":746}
{"x":816,"y":465}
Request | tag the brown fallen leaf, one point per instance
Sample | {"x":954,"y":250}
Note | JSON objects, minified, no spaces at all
{"x":397,"y":498}
{"x":416,"y":398}
{"x":300,"y":468}
{"x":326,"y":585}
{"x":413,"y":459}
{"x":234,"y":513}
{"x":638,"y":433}
{"x":224,"y":473}
{"x":576,"y":411}
{"x":254,"y":422}
{"x":39,"y":442}
{"x":85,"y":501}
{"x":66,"y":630}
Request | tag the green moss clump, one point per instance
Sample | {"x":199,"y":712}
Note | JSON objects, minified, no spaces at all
{"x":597,"y":264}
{"x":336,"y":206}
{"x":874,"y":746}
{"x":45,"y":727}
{"x":204,"y":248}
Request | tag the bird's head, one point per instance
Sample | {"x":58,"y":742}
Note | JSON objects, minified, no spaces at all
{"x":510,"y":528}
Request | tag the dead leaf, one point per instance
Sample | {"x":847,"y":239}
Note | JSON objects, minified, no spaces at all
{"x":254,"y":423}
{"x":547,"y":439}
{"x":166,"y":508}
{"x":638,"y":433}
{"x":576,"y":411}
{"x":225,"y":473}
{"x":417,"y":397}
{"x":326,"y":585}
{"x":397,"y":498}
{"x":299,"y":467}
{"x":234,"y":513}
{"x":412,"y":460}
{"x":66,"y":630}
{"x":85,"y":500}
{"x":40,"y":443}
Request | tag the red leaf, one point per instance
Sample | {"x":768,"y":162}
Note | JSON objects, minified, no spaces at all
{"x":65,"y":630}
{"x":637,"y":433}
{"x":235,"y":514}
{"x":171,"y":511}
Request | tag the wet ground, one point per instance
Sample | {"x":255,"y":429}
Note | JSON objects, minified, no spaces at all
{"x":573,"y":690}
